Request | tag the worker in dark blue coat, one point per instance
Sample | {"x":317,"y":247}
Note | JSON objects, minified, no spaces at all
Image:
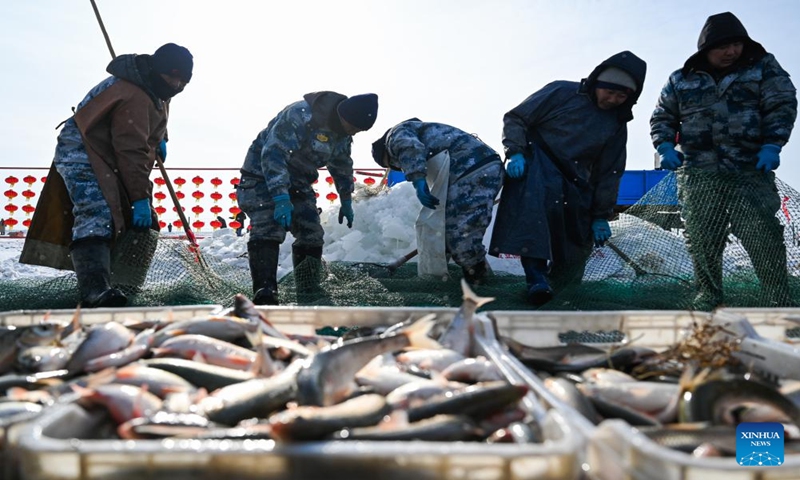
{"x":566,"y":146}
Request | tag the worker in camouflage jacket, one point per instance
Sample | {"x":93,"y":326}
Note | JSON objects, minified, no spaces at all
{"x":566,"y":146}
{"x":730,"y":110}
{"x":475,"y":178}
{"x":99,"y":185}
{"x":275,"y":189}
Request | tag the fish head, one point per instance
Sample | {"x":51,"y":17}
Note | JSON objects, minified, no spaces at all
{"x":42,"y":334}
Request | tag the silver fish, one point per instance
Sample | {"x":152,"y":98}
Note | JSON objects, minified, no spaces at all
{"x":328,"y":376}
{"x":102,"y":339}
{"x":314,"y":423}
{"x":459,"y":333}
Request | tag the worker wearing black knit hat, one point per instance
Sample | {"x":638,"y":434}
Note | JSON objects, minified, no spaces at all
{"x":276,"y":191}
{"x":100,"y":186}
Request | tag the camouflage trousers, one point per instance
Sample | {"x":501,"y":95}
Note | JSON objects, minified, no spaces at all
{"x":715,"y":205}
{"x":89,"y":207}
{"x":255,"y":201}
{"x":470,"y":201}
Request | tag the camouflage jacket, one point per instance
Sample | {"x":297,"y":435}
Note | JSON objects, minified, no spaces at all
{"x":724,"y":124}
{"x":410,"y":144}
{"x":297,"y":142}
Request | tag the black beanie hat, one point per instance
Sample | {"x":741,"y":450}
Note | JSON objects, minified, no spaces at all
{"x":379,"y":149}
{"x":171,"y":59}
{"x":359,"y":111}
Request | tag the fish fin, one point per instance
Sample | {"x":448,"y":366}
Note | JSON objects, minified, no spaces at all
{"x":255,"y":337}
{"x":200,"y":394}
{"x":160,"y":352}
{"x":240,"y":361}
{"x":107,"y":375}
{"x":199,"y":357}
{"x":417,"y":333}
{"x":83,"y":392}
{"x":138,"y":403}
{"x":395,"y":420}
{"x":17,"y":393}
{"x":470,"y":296}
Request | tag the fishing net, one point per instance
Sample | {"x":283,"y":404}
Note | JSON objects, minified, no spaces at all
{"x":646,"y":265}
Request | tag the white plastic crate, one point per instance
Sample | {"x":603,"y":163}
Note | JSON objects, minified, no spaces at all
{"x":616,"y":450}
{"x":101,"y":315}
{"x":44,"y":453}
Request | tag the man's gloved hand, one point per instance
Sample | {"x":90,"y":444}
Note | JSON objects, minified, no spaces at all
{"x":142,"y":217}
{"x":516,"y":166}
{"x":424,"y":194}
{"x":346,"y":211}
{"x":162,"y":150}
{"x":601,"y":231}
{"x":768,"y":158}
{"x":283,"y":210}
{"x":669,"y":157}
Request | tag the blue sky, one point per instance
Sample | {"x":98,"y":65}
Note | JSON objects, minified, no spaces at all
{"x":462,"y":62}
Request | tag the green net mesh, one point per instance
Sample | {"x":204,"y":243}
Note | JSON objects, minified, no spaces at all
{"x":747,"y":259}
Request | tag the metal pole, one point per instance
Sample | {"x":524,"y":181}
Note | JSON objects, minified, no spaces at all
{"x":186,"y":228}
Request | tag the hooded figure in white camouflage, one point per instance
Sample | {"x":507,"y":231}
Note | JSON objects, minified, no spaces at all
{"x":566,"y":144}
{"x":731,"y":108}
{"x":275,"y":189}
{"x":475,"y":178}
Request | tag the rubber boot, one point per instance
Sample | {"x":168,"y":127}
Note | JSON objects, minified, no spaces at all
{"x":91,"y":258}
{"x":476,"y":274}
{"x":307,"y":274}
{"x":539,"y":291}
{"x":263,"y":257}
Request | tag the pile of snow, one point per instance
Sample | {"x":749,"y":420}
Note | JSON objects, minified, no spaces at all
{"x":383,"y":231}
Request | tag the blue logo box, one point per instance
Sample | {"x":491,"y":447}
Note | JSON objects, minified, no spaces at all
{"x":759,"y":444}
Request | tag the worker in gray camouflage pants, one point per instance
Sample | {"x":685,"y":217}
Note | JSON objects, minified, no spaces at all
{"x":731,"y":108}
{"x":275,"y":189}
{"x":475,"y":178}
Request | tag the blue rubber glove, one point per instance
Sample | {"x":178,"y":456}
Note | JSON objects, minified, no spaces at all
{"x":283,"y":210}
{"x":516,"y":167}
{"x":601,"y":231}
{"x":669,"y":157}
{"x":142,"y":217}
{"x":769,"y":158}
{"x":346,"y":211}
{"x":424,"y":194}
{"x":162,"y":150}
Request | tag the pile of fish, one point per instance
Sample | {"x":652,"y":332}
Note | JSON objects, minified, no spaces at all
{"x":234,"y":375}
{"x":689,"y":397}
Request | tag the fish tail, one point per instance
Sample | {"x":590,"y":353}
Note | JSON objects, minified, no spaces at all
{"x":470,"y":296}
{"x":417,"y":333}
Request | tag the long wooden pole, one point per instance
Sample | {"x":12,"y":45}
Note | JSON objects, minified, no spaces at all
{"x":186,"y":227}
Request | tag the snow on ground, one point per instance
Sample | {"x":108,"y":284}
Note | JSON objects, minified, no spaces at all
{"x":383,"y":231}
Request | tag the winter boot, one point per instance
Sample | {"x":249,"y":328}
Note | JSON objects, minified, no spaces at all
{"x":539,"y":291}
{"x":263,"y":256}
{"x":307,"y":263}
{"x":476,"y":274}
{"x":91,"y":258}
